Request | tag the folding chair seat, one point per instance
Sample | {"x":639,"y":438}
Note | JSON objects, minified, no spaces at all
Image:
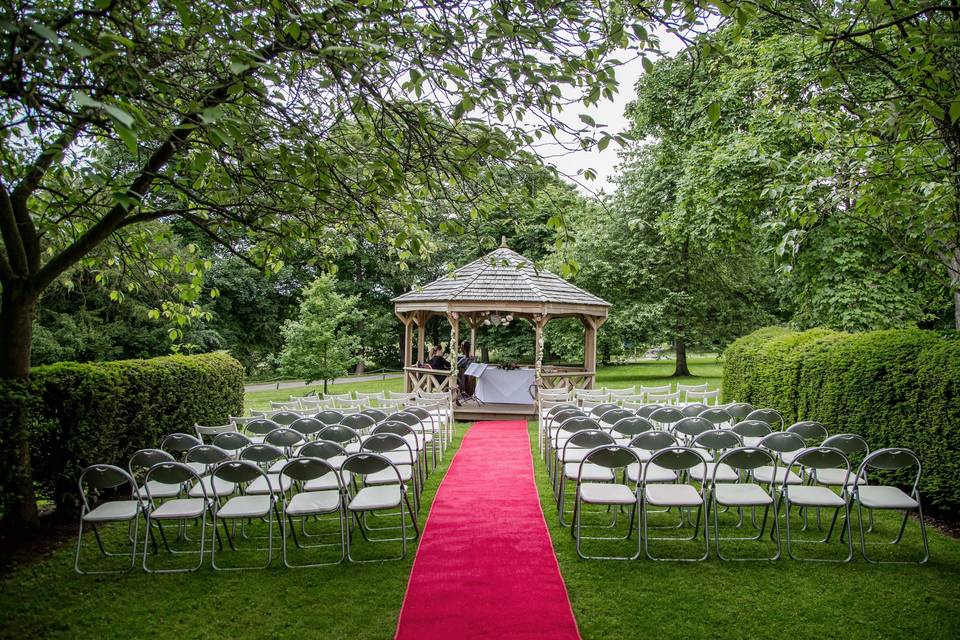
{"x":265,"y":457}
{"x":715,"y":442}
{"x":334,"y":455}
{"x":813,"y":461}
{"x":571,"y":457}
{"x":780,"y":444}
{"x":208,"y":486}
{"x":745,"y":494}
{"x":612,"y":460}
{"x":176,"y":509}
{"x":680,"y":496}
{"x":177,"y":444}
{"x":104,"y":477}
{"x":392,"y":441}
{"x":890,"y":498}
{"x":138,"y":465}
{"x":247,"y":506}
{"x":853,"y":447}
{"x":371,"y":499}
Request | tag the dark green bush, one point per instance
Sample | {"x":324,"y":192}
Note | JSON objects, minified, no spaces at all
{"x":82,"y":413}
{"x":899,"y":387}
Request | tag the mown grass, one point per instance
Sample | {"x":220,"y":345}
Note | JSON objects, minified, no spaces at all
{"x":48,"y":600}
{"x":786,"y":598}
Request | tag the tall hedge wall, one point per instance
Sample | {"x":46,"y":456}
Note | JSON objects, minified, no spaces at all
{"x":101,"y":412}
{"x":899,"y":387}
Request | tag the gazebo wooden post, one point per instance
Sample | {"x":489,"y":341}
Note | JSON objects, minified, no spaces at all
{"x":421,"y":320}
{"x":590,"y":348}
{"x":539,"y":322}
{"x":407,"y":320}
{"x":454,"y":319}
{"x":472,"y":322}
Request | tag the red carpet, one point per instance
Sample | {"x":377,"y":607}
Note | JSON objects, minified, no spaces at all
{"x":485,"y":567}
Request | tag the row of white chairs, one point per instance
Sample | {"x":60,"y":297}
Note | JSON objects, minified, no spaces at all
{"x":236,"y":478}
{"x":662,"y":394}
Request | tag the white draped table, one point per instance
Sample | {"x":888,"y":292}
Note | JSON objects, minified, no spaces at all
{"x":496,"y":385}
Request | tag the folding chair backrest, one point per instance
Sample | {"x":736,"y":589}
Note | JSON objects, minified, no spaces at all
{"x":664,"y":398}
{"x":395,"y":427}
{"x":675,"y":459}
{"x":893,"y":459}
{"x":633,"y":399}
{"x":666,"y":415}
{"x":338,"y":396}
{"x":179,"y":442}
{"x":563,"y":415}
{"x":383,"y":442}
{"x":262,"y":454}
{"x":396,"y":395}
{"x":590,"y":394}
{"x":783,"y":442}
{"x":739,"y":410}
{"x":578,"y":423}
{"x":717,"y":416}
{"x":747,"y":458}
{"x":693,"y":410}
{"x":284,"y":438}
{"x":322,"y":449}
{"x":611,"y":457}
{"x":704,"y":396}
{"x":752,"y":428}
{"x":212,"y":431}
{"x":143,"y":459}
{"x":339,"y":433}
{"x":564,"y":406}
{"x":631,"y":426}
{"x":261,"y":426}
{"x":329,"y":417}
{"x":717,"y":440}
{"x":692,"y":387}
{"x":600,"y":409}
{"x":105,"y":476}
{"x":307,"y":426}
{"x":304,"y":469}
{"x":240,"y":471}
{"x":376,"y":414}
{"x":373,"y":395}
{"x":662,"y":389}
{"x":358,"y":405}
{"x":285,"y":405}
{"x":811,"y":431}
{"x":232,"y":442}
{"x":365,"y":463}
{"x":589,"y":439}
{"x":822,"y":458}
{"x":171,"y":473}
{"x":692,"y":427}
{"x":615,"y":415}
{"x":646,"y":410}
{"x":358,"y":421}
{"x":285,"y":417}
{"x":619,"y":393}
{"x":849,"y":443}
{"x":770,"y":416}
{"x":207,"y":454}
{"x":653,"y":441}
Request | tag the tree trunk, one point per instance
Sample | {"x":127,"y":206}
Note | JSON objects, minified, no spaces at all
{"x":484,"y":354}
{"x":16,"y":333}
{"x":359,"y":368}
{"x":956,"y":309}
{"x":681,"y":348}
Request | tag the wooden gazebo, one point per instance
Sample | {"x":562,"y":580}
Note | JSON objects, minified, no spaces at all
{"x":502,"y":283}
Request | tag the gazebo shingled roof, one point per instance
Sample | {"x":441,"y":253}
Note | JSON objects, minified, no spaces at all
{"x":502,"y":276}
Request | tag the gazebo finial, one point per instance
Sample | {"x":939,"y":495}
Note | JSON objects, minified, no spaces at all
{"x":503,"y":242}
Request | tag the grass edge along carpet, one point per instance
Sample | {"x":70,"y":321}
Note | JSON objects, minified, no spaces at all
{"x":485,"y":567}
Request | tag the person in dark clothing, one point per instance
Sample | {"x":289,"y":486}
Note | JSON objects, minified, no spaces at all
{"x":437,"y":361}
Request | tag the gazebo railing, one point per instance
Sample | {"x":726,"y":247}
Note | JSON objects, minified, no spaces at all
{"x":568,"y":378}
{"x":423,"y":380}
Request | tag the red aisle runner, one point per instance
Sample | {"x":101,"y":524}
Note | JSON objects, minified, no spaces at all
{"x":485,"y":567}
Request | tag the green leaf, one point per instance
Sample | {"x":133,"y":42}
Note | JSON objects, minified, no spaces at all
{"x":955,"y":110}
{"x":45,"y":32}
{"x":587,"y":120}
{"x":713,"y":112}
{"x":647,"y":64}
{"x":119,"y":115}
{"x":602,"y":144}
{"x":84,"y":100}
{"x":128,"y":136}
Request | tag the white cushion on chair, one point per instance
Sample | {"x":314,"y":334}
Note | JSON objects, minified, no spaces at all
{"x":725,"y":473}
{"x":372,"y":498}
{"x":179,"y":508}
{"x":591,"y":472}
{"x":835,"y":477}
{"x":313,"y":502}
{"x":245,"y":507}
{"x":597,"y":493}
{"x":813,"y":496}
{"x":672,"y":495}
{"x":326,"y":482}
{"x":655,"y":473}
{"x":160,"y":490}
{"x":114,"y":511}
{"x":278,"y":484}
{"x":218,"y":487}
{"x":765,"y":475}
{"x":882,"y":497}
{"x":389,"y":476}
{"x":741,"y":495}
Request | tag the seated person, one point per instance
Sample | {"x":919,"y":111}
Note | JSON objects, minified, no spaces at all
{"x":437,"y":361}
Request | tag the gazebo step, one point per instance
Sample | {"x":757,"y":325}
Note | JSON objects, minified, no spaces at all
{"x":472,"y":412}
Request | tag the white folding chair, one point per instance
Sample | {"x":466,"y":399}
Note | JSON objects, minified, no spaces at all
{"x":249,"y":506}
{"x":177,"y":510}
{"x":101,"y":477}
{"x":309,"y":504}
{"x":815,"y":461}
{"x":381,"y":497}
{"x":674,"y":495}
{"x":744,"y":494}
{"x":594,"y":488}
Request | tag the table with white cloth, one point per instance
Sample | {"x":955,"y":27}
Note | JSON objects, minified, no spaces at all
{"x":505,"y":386}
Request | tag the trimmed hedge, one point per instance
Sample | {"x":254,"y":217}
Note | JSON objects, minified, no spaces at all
{"x":899,"y":387}
{"x":103,"y":411}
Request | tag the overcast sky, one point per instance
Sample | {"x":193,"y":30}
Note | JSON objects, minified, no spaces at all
{"x":610,"y":113}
